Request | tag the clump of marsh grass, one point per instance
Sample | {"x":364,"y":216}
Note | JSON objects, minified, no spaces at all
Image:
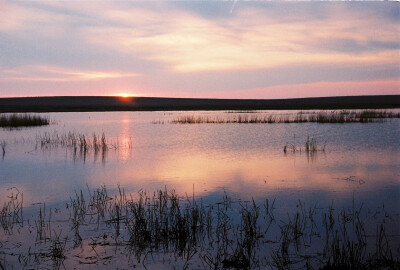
{"x":23,"y":120}
{"x":76,"y":141}
{"x":240,"y":119}
{"x":159,"y":121}
{"x":291,"y":147}
{"x":80,"y":145}
{"x":3,"y":148}
{"x":56,"y":252}
{"x":242,"y":111}
{"x":98,"y":203}
{"x":43,"y":224}
{"x":79,"y":209}
{"x":372,"y":114}
{"x":11,"y":212}
{"x":311,"y":146}
{"x":366,"y":116}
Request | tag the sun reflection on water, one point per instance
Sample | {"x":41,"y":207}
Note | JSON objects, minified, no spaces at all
{"x":125,"y":138}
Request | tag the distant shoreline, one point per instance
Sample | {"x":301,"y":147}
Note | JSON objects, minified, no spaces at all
{"x":110,"y":103}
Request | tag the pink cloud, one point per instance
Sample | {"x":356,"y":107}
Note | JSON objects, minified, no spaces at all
{"x":59,"y":74}
{"x":316,"y":89}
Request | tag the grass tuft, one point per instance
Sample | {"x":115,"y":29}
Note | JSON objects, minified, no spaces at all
{"x":23,"y":120}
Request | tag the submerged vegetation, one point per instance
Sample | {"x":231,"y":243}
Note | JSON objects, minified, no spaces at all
{"x":365,"y":116}
{"x":22,"y":120}
{"x":161,"y":227}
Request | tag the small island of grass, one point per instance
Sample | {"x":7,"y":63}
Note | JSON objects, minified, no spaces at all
{"x":22,"y":120}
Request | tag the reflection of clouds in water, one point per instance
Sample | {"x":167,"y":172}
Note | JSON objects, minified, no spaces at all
{"x":245,"y":159}
{"x":247,"y":173}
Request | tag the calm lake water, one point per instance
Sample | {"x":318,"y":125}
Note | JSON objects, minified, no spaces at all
{"x":361,"y":162}
{"x":246,"y":160}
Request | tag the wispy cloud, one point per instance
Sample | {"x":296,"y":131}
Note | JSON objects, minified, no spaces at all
{"x":57,"y":74}
{"x":184,"y":42}
{"x":25,"y":18}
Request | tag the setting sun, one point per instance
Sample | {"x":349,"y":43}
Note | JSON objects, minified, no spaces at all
{"x":125,"y":95}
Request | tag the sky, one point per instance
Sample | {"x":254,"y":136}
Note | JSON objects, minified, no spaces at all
{"x":200,"y":49}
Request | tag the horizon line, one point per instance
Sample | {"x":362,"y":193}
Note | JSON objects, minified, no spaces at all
{"x":166,"y":97}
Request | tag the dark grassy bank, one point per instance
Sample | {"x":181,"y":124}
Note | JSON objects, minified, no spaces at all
{"x":23,"y":120}
{"x":86,"y":103}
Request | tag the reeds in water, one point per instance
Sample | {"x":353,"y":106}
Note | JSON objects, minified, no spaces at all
{"x":311,"y":146}
{"x":23,"y":120}
{"x":3,"y":148}
{"x":57,"y":251}
{"x":240,"y":119}
{"x":80,"y":145}
{"x":74,"y":140}
{"x":225,"y":235}
{"x":341,"y":117}
{"x":11,"y":212}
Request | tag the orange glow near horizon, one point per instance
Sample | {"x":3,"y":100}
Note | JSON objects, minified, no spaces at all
{"x":126,"y":95}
